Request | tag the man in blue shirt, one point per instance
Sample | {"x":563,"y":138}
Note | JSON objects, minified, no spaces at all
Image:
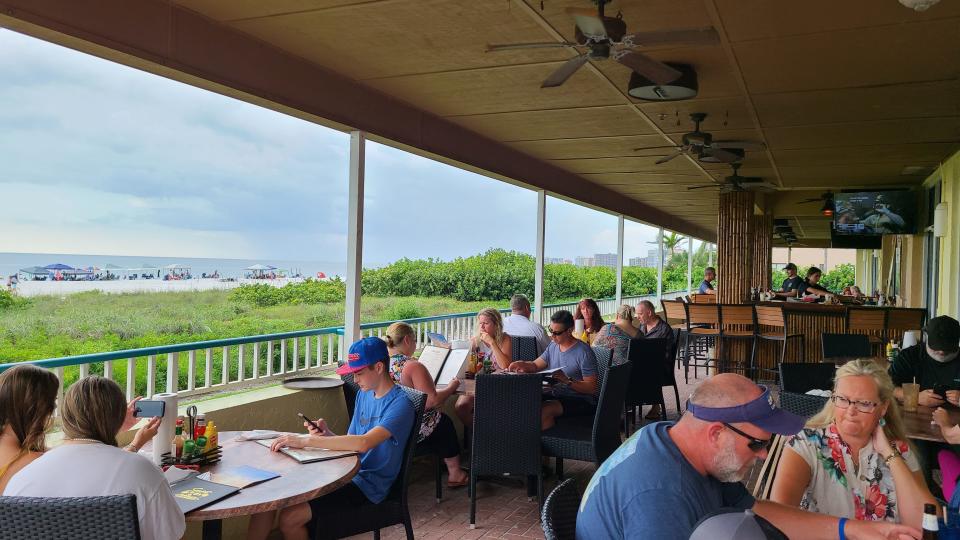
{"x":575,"y":390}
{"x":706,"y":286}
{"x":381,"y":424}
{"x":790,"y":285}
{"x":668,"y":476}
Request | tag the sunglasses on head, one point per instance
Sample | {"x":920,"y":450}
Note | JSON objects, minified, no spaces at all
{"x":755,"y":444}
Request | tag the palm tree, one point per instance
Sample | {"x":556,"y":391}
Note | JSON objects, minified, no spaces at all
{"x":670,"y":242}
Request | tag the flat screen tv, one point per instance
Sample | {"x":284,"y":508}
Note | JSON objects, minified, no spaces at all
{"x":855,"y":241}
{"x":875,"y":213}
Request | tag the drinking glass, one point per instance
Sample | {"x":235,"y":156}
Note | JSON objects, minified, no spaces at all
{"x":911,"y":394}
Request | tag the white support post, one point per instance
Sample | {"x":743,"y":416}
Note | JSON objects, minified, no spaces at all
{"x":351,"y":320}
{"x":689,"y":265}
{"x":538,"y":270}
{"x":619,"y":294}
{"x":660,"y":264}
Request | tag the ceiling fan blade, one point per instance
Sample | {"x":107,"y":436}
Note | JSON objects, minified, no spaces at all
{"x":704,"y":187}
{"x":668,"y":158}
{"x":657,"y":72}
{"x":675,"y":147}
{"x":692,"y":36}
{"x":750,"y":179}
{"x":588,"y":22}
{"x":806,"y":201}
{"x":741,"y":145}
{"x":721,"y":154}
{"x":564,"y":72}
{"x":514,"y":46}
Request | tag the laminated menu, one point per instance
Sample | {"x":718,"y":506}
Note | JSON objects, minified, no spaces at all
{"x":193,"y":493}
{"x":309,"y":455}
{"x":443,"y":364}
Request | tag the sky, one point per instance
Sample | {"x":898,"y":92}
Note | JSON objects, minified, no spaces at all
{"x":101,"y":158}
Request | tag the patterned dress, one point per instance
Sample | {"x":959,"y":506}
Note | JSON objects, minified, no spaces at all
{"x":612,"y":337}
{"x":430,"y":417}
{"x":837,"y":488}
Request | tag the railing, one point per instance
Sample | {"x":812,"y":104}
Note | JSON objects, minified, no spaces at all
{"x":226,"y":364}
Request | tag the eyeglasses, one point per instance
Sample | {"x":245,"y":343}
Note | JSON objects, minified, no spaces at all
{"x":755,"y":444}
{"x":863,"y":406}
{"x":557,"y":333}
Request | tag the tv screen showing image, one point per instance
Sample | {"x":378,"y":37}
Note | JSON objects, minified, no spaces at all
{"x":875,"y":213}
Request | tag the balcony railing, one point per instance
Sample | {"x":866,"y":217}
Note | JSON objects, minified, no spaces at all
{"x":233,"y":363}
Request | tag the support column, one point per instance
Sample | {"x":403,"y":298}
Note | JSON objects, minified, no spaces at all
{"x":762,"y":251}
{"x":351,"y":316}
{"x":619,"y":294}
{"x":660,"y":265}
{"x":690,"y":265}
{"x":538,"y":269}
{"x":735,"y":247}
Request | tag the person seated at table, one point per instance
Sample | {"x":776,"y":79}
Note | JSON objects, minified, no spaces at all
{"x":616,"y":336}
{"x":23,"y":428}
{"x":932,"y":364}
{"x":589,"y":311}
{"x":436,"y":431}
{"x":811,"y":285}
{"x":653,"y":327}
{"x":852,"y":459}
{"x":492,"y":343}
{"x":790,"y":286}
{"x":382,"y":419}
{"x":575,"y":391}
{"x":518,"y":324}
{"x":89,"y":463}
{"x":669,"y":475}
{"x":706,"y":286}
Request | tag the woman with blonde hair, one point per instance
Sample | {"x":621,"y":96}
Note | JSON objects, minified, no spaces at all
{"x":28,"y":397}
{"x":617,"y":335}
{"x":490,"y":342}
{"x":436,"y":431}
{"x":852,"y":460}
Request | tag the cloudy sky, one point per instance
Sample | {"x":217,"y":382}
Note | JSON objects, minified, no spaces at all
{"x":99,"y":158}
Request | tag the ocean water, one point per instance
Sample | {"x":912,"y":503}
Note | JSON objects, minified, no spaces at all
{"x":11,"y":263}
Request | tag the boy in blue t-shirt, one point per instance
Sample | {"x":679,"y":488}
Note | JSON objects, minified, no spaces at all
{"x":381,"y":424}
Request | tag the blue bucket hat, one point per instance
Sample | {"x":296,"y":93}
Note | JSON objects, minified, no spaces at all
{"x":366,"y":352}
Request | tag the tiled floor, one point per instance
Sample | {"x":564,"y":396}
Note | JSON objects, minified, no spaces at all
{"x":503,"y":510}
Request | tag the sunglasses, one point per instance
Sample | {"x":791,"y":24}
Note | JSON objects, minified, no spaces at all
{"x":557,"y":333}
{"x":755,"y":444}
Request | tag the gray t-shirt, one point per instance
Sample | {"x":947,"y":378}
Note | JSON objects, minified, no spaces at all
{"x":577,"y":362}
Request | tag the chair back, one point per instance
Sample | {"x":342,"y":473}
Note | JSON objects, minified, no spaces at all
{"x":506,"y":424}
{"x":56,"y":518}
{"x":674,"y":312}
{"x":646,"y":358}
{"x":845,"y":345}
{"x":771,"y":316}
{"x":900,"y":320}
{"x":800,"y":377}
{"x":708,"y":314}
{"x":866,"y":319}
{"x":604,"y":358}
{"x":704,"y":298}
{"x":606,"y":421}
{"x":350,"y":391}
{"x":398,"y":492}
{"x":559,"y":514}
{"x":737,"y":317}
{"x":524,"y":348}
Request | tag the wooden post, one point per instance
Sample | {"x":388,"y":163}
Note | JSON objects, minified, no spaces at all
{"x":735,"y":247}
{"x":762,"y":250}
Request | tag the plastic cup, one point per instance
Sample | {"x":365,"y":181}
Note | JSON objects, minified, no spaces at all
{"x":911,"y":394}
{"x":578,"y":326}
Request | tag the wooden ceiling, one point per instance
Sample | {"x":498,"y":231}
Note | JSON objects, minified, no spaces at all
{"x":843,"y":94}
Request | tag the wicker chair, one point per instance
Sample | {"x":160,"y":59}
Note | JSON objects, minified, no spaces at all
{"x":797,"y":378}
{"x":835,"y":346}
{"x":524,"y":348}
{"x":604,"y":358}
{"x":506,"y":430}
{"x":559,"y":515}
{"x":676,"y":316}
{"x":66,"y":518}
{"x":670,"y":374}
{"x":646,"y":358}
{"x":392,"y":510}
{"x":591,"y":439}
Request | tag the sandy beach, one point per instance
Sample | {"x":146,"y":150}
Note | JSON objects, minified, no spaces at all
{"x":62,"y":288}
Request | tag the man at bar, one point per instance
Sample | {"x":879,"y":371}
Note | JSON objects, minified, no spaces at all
{"x":706,"y":286}
{"x":790,"y":285}
{"x":519,"y":323}
{"x":668,"y":476}
{"x":933,"y":363}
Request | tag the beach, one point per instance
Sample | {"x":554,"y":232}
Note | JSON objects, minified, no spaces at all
{"x":63,"y":288}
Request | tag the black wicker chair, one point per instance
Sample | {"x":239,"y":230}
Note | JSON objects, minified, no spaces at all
{"x":670,"y":374}
{"x":350,"y":391}
{"x":66,"y":518}
{"x":524,"y":348}
{"x":796,"y":378}
{"x":836,"y":346}
{"x":339,"y":522}
{"x":604,"y":358}
{"x":588,"y":438}
{"x":646,"y":358}
{"x":559,"y":515}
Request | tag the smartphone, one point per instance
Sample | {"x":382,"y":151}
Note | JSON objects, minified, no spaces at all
{"x":149,"y":409}
{"x":941,"y":390}
{"x":314,"y":424}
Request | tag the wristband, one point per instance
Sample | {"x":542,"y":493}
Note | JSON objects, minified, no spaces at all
{"x":840,"y":526}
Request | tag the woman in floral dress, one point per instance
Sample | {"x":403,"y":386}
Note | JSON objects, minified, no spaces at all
{"x":852,"y":460}
{"x":616,"y":336}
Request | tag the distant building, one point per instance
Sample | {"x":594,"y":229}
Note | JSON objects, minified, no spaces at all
{"x":650,"y":261}
{"x":556,"y":260}
{"x":605,"y":259}
{"x":636,"y":261}
{"x":585,"y":261}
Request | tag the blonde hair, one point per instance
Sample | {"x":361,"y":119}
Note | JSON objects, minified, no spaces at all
{"x":397,"y":332}
{"x":893,"y":429}
{"x":93,"y":408}
{"x":497,"y":319}
{"x":625,"y":312}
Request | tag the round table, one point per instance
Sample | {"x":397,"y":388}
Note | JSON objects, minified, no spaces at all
{"x":297,"y":483}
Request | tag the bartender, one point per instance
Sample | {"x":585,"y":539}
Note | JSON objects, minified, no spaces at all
{"x":790,"y":285}
{"x":932,"y":363}
{"x":811,"y":285}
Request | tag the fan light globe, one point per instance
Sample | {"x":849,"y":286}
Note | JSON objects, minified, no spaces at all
{"x":684,"y":87}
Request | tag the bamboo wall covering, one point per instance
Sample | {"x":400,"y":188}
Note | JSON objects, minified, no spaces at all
{"x":735,"y":247}
{"x":762,"y":254}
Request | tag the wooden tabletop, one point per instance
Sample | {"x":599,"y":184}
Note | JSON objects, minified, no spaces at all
{"x":297,"y":483}
{"x":468,"y":387}
{"x":918,"y":424}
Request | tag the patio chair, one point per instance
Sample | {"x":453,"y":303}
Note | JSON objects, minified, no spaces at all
{"x":559,"y":515}
{"x":772,"y":317}
{"x":900,"y":320}
{"x":796,"y":378}
{"x":676,"y":316}
{"x":524,"y":348}
{"x":66,"y":518}
{"x":738,"y":322}
{"x":506,"y":431}
{"x":871,"y":322}
{"x":835,"y":346}
{"x":703,"y":327}
{"x":588,"y":438}
{"x":339,"y":522}
{"x":646,"y":358}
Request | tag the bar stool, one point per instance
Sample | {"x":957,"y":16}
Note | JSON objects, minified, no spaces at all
{"x":773,"y":317}
{"x":738,"y":322}
{"x":676,"y":316}
{"x":869,"y":321}
{"x":901,"y":320}
{"x":703,"y":325}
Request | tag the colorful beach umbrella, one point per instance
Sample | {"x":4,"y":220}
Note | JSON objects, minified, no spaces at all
{"x":58,"y":266}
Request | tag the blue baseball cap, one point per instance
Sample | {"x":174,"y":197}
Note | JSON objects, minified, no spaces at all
{"x":366,"y":352}
{"x":760,"y":412}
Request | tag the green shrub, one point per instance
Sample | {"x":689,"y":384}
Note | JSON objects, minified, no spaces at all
{"x":306,"y":292}
{"x":403,"y":308}
{"x":9,"y":301}
{"x":842,"y":275}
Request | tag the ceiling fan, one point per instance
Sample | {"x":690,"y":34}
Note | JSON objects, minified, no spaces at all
{"x":603,"y":37}
{"x":701,"y":145}
{"x":735,"y":182}
{"x":828,"y":208}
{"x":783,"y":229}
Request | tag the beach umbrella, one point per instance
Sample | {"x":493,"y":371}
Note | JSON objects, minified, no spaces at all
{"x":35,"y":270}
{"x":58,"y":266}
{"x":260,"y":267}
{"x":76,"y":272}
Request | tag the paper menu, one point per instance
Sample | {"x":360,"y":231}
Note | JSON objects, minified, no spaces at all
{"x":453,"y":367}
{"x":433,"y":358}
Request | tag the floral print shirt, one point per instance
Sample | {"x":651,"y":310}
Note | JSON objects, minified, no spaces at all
{"x":431,"y":417}
{"x":612,"y":337}
{"x":840,"y":489}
